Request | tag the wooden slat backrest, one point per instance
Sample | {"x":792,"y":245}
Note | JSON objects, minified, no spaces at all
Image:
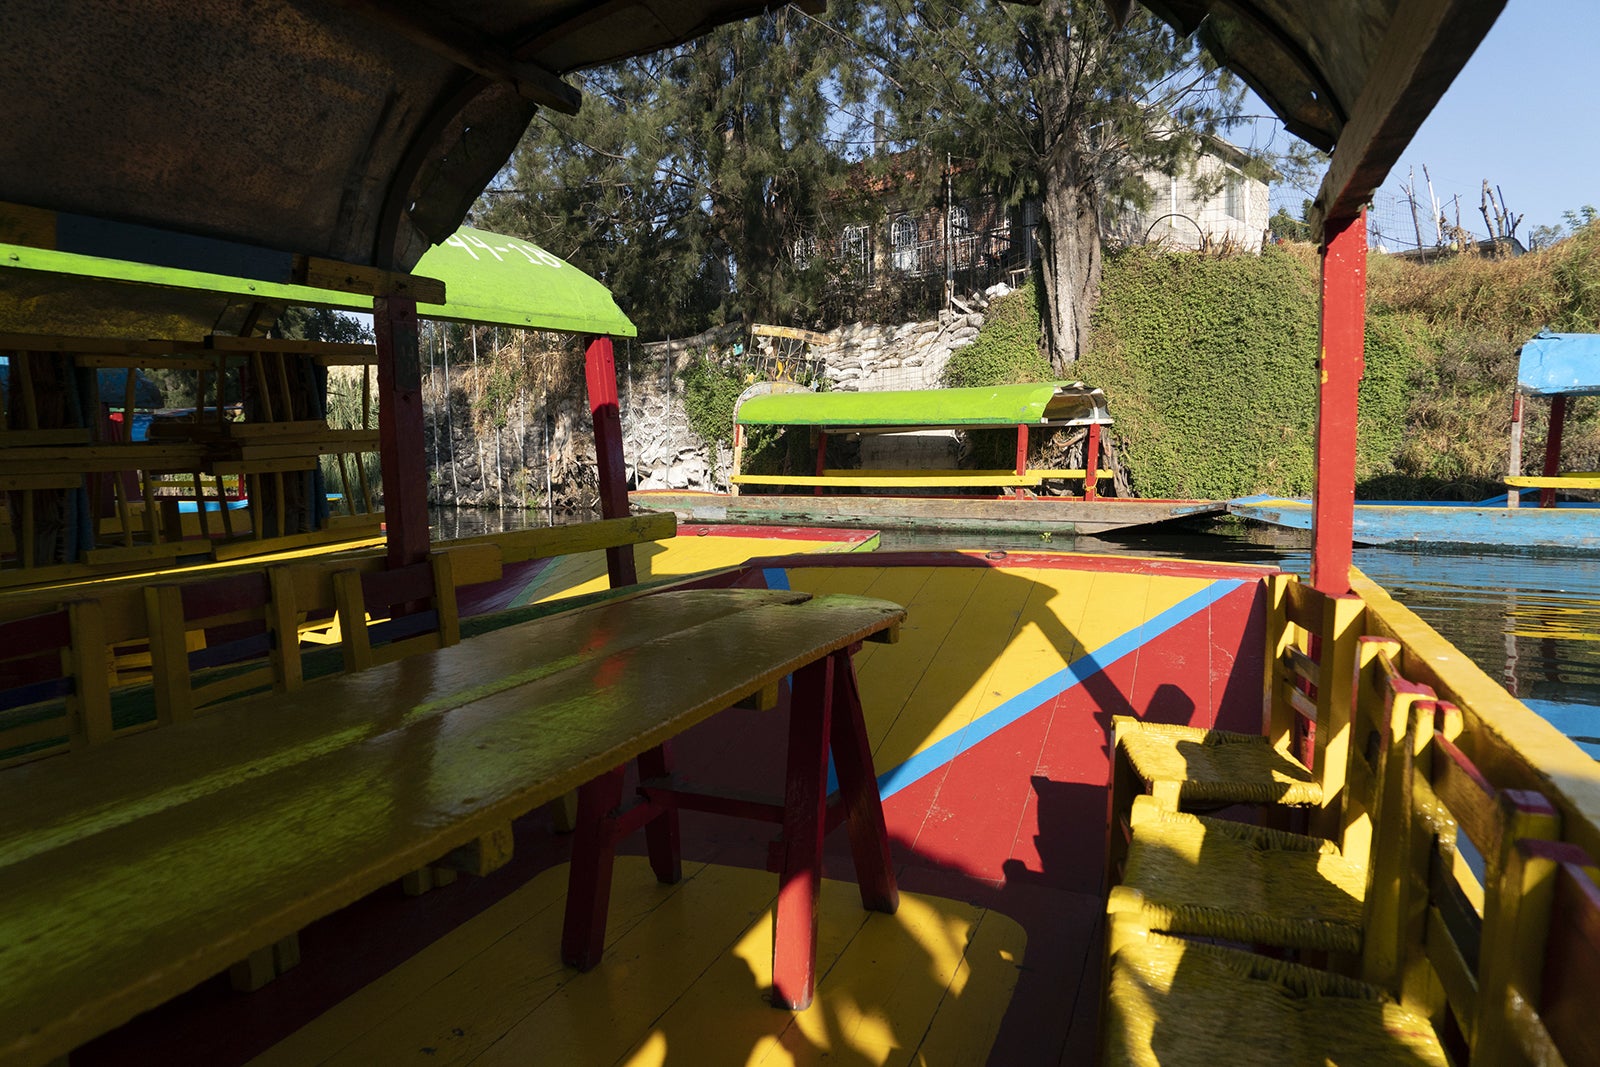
{"x":1553,"y":1021}
{"x":394,"y":596}
{"x":1311,"y":667}
{"x":56,"y":660}
{"x":246,"y":630}
{"x":1460,"y":943}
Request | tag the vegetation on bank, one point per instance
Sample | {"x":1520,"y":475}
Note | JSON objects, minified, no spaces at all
{"x":1209,"y":364}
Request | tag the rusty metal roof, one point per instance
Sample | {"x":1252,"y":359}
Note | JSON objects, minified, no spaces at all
{"x":1355,"y":77}
{"x":358,"y":130}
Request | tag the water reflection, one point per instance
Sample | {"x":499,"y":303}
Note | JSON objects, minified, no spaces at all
{"x":1532,"y":622}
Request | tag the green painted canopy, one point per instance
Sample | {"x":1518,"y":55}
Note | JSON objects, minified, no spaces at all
{"x":1045,"y":403}
{"x":489,"y":278}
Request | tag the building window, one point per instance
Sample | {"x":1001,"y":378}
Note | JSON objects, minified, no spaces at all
{"x":804,"y":250}
{"x":853,"y":247}
{"x":1235,"y":192}
{"x":903,"y":241}
{"x":962,"y":240}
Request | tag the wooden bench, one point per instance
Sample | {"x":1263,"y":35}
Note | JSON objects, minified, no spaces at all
{"x":135,"y":870}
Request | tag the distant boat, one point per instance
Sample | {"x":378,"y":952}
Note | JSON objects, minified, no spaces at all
{"x":1568,"y":526}
{"x":1554,"y":365}
{"x":905,"y":497}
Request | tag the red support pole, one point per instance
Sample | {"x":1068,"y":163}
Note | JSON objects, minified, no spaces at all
{"x":1552,"y":448}
{"x":1091,"y":463}
{"x":1344,"y":295}
{"x":600,"y":370}
{"x":822,"y":458}
{"x":1022,"y":455}
{"x":400,"y":429}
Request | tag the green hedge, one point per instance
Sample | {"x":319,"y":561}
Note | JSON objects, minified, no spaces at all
{"x":1209,"y":367}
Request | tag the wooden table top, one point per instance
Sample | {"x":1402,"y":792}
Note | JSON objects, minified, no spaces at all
{"x":136,"y":869}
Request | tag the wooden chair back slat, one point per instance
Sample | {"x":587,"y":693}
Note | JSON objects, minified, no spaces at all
{"x":1311,"y":649}
{"x":55,"y":658}
{"x":248,"y":636}
{"x":380,"y":595}
{"x":1571,"y":969}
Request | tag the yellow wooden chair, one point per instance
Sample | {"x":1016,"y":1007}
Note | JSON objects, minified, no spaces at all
{"x":1199,"y":875}
{"x":383,"y":596}
{"x":1442,"y":954}
{"x":221,"y":638}
{"x":1311,"y":649}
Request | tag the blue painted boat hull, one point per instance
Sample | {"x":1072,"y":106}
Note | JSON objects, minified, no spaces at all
{"x":1569,"y":527}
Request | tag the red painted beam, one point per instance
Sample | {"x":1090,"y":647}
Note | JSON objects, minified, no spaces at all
{"x":600,"y":370}
{"x":1552,"y":448}
{"x":1344,"y":295}
{"x":1091,"y":463}
{"x":1022,"y":455}
{"x":400,"y":429}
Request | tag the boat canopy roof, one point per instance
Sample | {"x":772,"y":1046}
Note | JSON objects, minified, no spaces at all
{"x":1560,"y":364}
{"x":489,"y":278}
{"x":361,"y":132}
{"x":1045,"y":403}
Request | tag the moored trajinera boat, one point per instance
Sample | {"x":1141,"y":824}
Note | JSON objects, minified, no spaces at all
{"x":1030,"y":753}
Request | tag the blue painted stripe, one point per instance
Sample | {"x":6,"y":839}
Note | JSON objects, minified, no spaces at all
{"x":777,"y":577}
{"x":1076,"y":673}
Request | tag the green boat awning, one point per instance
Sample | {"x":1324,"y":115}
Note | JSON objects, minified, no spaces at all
{"x":1044,"y":403}
{"x":489,"y":278}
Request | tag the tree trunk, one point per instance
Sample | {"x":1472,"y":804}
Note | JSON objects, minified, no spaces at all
{"x":1069,"y":258}
{"x":1069,"y":219}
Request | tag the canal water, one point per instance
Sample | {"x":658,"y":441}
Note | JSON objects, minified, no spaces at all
{"x":1531,"y":621}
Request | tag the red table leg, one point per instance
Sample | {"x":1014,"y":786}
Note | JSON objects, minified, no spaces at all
{"x":583,"y":936}
{"x":661,"y":837}
{"x":858,"y":789}
{"x":794,"y":934}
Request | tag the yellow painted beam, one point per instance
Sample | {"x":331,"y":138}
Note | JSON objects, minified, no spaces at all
{"x":545,"y":542}
{"x":895,"y":479}
{"x":1575,"y":480}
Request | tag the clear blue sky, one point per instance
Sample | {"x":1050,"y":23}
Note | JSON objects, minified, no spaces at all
{"x":1524,"y":113}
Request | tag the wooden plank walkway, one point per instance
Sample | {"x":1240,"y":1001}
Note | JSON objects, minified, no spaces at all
{"x":685,"y":979}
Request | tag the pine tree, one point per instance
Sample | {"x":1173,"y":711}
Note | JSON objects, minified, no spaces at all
{"x":690,"y":179}
{"x":1052,"y":102}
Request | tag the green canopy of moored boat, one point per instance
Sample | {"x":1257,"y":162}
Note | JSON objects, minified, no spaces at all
{"x":489,"y":278}
{"x":1034,"y":404}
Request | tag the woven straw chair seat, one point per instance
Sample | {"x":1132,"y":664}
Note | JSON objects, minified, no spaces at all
{"x":1175,"y":1002}
{"x":1208,"y":877}
{"x":1216,"y":766}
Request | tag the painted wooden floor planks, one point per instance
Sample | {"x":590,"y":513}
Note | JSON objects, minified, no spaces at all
{"x":684,"y":981}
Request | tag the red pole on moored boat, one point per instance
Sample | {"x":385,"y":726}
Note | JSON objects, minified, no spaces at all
{"x":1344,"y":293}
{"x":1552,"y":448}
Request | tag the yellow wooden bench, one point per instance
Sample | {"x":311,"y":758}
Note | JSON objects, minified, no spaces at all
{"x":1571,"y":480}
{"x":135,"y":870}
{"x":915,"y":479}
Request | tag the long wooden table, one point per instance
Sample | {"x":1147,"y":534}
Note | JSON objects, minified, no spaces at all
{"x":132,"y":871}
